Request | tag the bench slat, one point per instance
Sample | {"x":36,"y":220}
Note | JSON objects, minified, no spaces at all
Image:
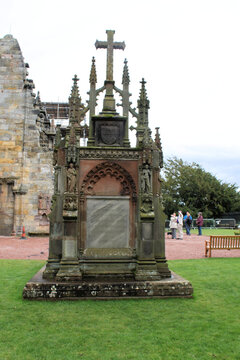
{"x":219,"y":242}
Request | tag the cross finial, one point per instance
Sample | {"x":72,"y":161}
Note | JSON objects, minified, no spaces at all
{"x":74,"y":92}
{"x":143,"y":94}
{"x":110,"y":45}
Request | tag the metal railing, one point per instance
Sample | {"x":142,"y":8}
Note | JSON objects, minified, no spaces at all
{"x":225,"y":223}
{"x":211,"y":223}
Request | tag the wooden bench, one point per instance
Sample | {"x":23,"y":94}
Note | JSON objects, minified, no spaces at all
{"x":219,"y":242}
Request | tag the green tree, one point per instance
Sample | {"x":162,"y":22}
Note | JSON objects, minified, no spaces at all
{"x":188,"y":187}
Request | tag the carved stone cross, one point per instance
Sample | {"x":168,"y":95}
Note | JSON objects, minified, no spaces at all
{"x":110,"y":45}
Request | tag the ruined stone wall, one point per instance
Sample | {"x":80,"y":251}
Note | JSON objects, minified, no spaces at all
{"x":26,"y":172}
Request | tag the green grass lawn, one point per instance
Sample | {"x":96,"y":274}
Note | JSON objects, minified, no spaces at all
{"x":205,"y":327}
{"x":208,"y":232}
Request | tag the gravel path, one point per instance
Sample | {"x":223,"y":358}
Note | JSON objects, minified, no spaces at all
{"x":31,"y":248}
{"x":191,"y":247}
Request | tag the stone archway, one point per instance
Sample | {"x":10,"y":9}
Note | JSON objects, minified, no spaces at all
{"x":107,"y":219}
{"x":114,"y":170}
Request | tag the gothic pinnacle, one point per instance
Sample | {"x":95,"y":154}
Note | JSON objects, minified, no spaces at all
{"x":38,"y":99}
{"x":74,"y":102}
{"x":157,"y":139}
{"x":75,"y":92}
{"x":93,"y":74}
{"x":125,"y":77}
{"x":143,"y":100}
{"x":143,"y":93}
{"x":159,"y":146}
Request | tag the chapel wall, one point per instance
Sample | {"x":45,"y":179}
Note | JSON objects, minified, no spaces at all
{"x":25,"y":164}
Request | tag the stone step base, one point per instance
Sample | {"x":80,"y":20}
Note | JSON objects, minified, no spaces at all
{"x":41,"y":289}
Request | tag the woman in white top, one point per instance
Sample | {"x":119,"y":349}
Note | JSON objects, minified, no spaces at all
{"x":180,"y":225}
{"x":173,"y":225}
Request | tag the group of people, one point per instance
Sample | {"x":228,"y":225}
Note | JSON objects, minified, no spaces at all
{"x":177,"y":221}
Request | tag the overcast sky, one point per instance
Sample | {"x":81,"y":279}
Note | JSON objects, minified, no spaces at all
{"x":187,"y":51}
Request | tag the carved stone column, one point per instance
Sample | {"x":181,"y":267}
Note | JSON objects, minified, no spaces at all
{"x":69,"y":266}
{"x":159,"y":232}
{"x":56,"y":224}
{"x":55,"y":239}
{"x":146,"y":263}
{"x":19,"y":192}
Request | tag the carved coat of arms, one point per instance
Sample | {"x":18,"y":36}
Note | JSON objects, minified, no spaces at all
{"x":109,"y":134}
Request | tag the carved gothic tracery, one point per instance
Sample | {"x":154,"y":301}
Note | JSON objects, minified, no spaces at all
{"x":70,"y":203}
{"x":113,"y":170}
{"x":89,"y":153}
{"x":146,"y":204}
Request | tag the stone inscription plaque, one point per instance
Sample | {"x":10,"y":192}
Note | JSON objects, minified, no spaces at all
{"x":69,"y":248}
{"x":107,"y":222}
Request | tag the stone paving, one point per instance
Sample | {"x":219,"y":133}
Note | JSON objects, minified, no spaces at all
{"x":30,"y":248}
{"x":191,"y":247}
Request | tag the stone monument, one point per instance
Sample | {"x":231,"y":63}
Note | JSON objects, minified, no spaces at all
{"x":107,"y":221}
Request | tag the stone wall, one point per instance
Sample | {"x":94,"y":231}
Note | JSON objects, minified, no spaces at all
{"x":26,"y":137}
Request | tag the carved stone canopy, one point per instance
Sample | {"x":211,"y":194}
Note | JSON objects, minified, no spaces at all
{"x":112,"y":169}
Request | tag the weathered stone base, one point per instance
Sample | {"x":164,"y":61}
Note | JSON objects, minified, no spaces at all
{"x":39,"y":289}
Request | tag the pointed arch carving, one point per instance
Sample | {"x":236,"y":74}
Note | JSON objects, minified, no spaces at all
{"x":112,"y":169}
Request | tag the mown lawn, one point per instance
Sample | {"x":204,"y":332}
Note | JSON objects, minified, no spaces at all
{"x":205,"y":327}
{"x":208,"y":232}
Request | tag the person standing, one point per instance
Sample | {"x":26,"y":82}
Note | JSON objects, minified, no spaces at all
{"x":173,"y":225}
{"x":180,"y":225}
{"x":199,"y":223}
{"x":188,"y":221}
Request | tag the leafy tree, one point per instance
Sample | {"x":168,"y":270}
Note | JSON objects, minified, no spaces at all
{"x":188,"y":187}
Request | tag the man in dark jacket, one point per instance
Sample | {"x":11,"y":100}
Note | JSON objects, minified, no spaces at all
{"x":188,"y":221}
{"x":199,"y":223}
